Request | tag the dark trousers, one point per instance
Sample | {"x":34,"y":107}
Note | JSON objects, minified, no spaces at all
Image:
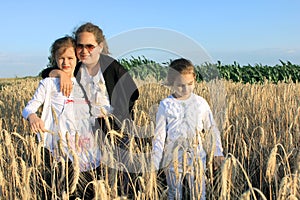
{"x":58,"y":177}
{"x":119,"y":154}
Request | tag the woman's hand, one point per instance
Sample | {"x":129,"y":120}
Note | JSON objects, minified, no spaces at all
{"x":36,"y":124}
{"x":66,"y":84}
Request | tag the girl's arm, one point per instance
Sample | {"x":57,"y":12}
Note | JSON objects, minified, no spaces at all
{"x":29,"y":112}
{"x":36,"y":124}
{"x":210,"y":125}
{"x":159,"y":137}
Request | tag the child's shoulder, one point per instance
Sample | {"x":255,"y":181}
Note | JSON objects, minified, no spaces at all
{"x":198,"y":98}
{"x":49,"y":81}
{"x":169,"y":98}
{"x":200,"y":101}
{"x":167,"y":101}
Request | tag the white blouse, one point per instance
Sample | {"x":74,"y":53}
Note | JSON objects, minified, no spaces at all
{"x":179,"y":124}
{"x":96,"y":92}
{"x":63,"y":115}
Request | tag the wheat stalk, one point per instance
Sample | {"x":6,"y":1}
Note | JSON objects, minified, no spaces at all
{"x":271,"y":165}
{"x":76,"y":171}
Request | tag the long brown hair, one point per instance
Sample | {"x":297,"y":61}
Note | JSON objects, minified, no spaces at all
{"x":98,"y":33}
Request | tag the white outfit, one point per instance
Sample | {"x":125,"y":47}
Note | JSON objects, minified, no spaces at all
{"x":96,"y":92}
{"x":63,"y":115}
{"x":178,"y":123}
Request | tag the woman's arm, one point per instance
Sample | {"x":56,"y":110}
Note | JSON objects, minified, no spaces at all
{"x":65,"y":81}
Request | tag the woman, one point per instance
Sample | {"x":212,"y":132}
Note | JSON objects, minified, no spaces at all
{"x":103,"y":78}
{"x":108,"y":86}
{"x":96,"y":67}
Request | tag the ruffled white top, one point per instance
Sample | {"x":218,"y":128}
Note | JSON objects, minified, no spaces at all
{"x":179,"y":124}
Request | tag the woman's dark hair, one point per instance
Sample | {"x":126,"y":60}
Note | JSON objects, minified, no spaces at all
{"x":98,"y":33}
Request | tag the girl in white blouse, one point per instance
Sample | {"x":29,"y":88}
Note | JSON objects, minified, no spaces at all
{"x":180,"y":121}
{"x":65,"y":126}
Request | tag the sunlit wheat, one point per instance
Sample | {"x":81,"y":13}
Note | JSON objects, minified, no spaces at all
{"x":259,"y":124}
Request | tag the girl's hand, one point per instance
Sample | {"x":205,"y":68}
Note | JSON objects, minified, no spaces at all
{"x":218,"y":160}
{"x":36,"y":124}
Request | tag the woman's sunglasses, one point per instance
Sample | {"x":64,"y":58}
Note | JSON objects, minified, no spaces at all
{"x":89,"y":47}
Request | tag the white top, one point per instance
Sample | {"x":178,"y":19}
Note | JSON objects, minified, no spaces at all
{"x":96,"y":92}
{"x":73,"y":117}
{"x":178,"y":123}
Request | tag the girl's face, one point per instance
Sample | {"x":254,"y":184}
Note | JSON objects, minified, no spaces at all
{"x":87,"y":49}
{"x":184,"y":85}
{"x":67,"y":61}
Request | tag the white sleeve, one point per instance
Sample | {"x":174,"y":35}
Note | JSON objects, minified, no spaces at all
{"x":210,"y":125}
{"x":36,"y":101}
{"x":159,"y":136}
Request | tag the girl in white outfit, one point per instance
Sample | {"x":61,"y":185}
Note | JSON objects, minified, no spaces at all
{"x":181,"y":119}
{"x":66,"y":122}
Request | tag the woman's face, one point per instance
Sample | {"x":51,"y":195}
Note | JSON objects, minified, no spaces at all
{"x":87,"y":49}
{"x":67,"y":61}
{"x":184,"y":85}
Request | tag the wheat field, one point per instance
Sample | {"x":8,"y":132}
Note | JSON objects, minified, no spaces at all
{"x":260,"y":131}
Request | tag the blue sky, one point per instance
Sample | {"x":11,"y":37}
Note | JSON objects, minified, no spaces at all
{"x":248,"y":32}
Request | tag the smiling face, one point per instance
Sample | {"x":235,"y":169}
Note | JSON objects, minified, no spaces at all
{"x":66,"y":60}
{"x":87,"y":49}
{"x":183,"y":86}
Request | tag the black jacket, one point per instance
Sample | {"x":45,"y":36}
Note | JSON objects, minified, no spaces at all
{"x":120,"y":86}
